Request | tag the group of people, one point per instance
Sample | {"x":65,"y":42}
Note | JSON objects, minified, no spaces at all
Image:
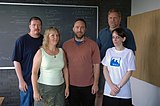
{"x":86,"y":72}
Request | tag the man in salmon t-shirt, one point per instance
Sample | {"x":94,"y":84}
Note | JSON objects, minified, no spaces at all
{"x":83,"y":59}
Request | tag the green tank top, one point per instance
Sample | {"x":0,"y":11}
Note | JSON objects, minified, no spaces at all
{"x":51,"y":68}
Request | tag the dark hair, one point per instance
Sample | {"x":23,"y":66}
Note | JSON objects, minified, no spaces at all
{"x":81,"y":19}
{"x":114,"y":10}
{"x":121,"y":32}
{"x":35,"y":18}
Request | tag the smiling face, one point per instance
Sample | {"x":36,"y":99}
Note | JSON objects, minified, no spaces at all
{"x":79,"y":29}
{"x":114,"y":20}
{"x":53,"y":37}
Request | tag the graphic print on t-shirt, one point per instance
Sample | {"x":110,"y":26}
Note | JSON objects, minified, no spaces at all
{"x":115,"y":61}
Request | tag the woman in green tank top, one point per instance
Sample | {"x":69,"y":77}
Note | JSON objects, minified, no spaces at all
{"x":49,"y":72}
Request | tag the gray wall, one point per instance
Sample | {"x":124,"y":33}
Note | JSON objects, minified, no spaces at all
{"x":8,"y":79}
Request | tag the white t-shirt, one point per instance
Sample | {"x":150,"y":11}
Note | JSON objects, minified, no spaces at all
{"x":118,"y":63}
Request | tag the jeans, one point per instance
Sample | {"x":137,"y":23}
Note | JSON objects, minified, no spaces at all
{"x":26,"y":98}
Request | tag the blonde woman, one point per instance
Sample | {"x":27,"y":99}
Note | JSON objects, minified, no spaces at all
{"x":51,"y":85}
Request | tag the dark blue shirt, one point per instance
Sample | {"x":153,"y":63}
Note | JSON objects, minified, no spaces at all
{"x":24,"y":51}
{"x":104,"y":40}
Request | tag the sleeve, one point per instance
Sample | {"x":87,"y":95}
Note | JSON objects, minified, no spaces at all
{"x":131,"y":61}
{"x":96,"y":55}
{"x":18,"y":51}
{"x":104,"y":60}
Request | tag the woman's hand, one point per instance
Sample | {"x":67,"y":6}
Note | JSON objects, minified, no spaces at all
{"x":37,"y":96}
{"x":114,"y":90}
{"x":66,"y":92}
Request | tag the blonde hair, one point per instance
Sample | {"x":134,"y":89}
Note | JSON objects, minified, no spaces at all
{"x":45,"y":42}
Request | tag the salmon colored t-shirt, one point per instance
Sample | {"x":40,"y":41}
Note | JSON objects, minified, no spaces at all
{"x":80,"y":60}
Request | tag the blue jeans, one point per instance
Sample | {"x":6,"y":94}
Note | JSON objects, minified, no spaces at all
{"x":26,"y":98}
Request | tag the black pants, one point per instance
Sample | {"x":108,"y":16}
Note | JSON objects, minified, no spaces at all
{"x":110,"y":101}
{"x":81,"y":96}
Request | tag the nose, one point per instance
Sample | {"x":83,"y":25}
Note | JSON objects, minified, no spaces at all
{"x":114,"y":39}
{"x":36,"y":26}
{"x":55,"y":37}
{"x":79,"y":29}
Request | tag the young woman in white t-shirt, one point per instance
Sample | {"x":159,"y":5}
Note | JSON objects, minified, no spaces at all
{"x":119,"y":63}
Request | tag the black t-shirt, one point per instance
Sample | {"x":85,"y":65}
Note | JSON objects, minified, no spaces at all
{"x":24,"y":51}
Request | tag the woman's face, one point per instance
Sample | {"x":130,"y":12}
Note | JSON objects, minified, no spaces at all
{"x":54,"y":37}
{"x":117,"y":40}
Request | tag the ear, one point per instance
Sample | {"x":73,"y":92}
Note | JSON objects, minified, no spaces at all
{"x":29,"y":26}
{"x":73,"y":29}
{"x":124,"y":39}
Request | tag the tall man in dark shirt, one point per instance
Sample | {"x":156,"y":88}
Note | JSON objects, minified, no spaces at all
{"x":25,"y":48}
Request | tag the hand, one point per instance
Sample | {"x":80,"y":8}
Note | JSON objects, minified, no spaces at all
{"x":94,"y":89}
{"x":112,"y":93}
{"x":114,"y":90}
{"x":23,"y":86}
{"x":66,"y":92}
{"x":37,"y":96}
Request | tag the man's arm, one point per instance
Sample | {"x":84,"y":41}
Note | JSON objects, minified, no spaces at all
{"x":96,"y":78}
{"x":22,"y":83}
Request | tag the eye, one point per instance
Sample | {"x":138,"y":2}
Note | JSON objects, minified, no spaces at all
{"x":116,"y":37}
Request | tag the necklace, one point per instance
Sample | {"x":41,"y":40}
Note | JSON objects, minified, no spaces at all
{"x":53,"y":52}
{"x":54,"y":56}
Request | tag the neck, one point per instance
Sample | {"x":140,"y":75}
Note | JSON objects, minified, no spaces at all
{"x":120,"y":48}
{"x":33,"y":35}
{"x":53,"y":48}
{"x":79,"y":39}
{"x":111,"y":29}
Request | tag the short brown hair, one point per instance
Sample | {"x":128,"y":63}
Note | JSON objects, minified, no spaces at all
{"x":35,"y":18}
{"x":114,"y":10}
{"x":80,"y":19}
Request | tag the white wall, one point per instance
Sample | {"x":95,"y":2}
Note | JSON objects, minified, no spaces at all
{"x":143,"y":93}
{"x":141,"y":6}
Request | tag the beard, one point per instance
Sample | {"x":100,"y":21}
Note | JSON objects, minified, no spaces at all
{"x":79,"y":35}
{"x":37,"y":31}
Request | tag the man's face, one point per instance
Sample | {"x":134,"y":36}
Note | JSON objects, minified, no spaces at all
{"x":79,"y":29}
{"x":35,"y":27}
{"x":114,"y":20}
